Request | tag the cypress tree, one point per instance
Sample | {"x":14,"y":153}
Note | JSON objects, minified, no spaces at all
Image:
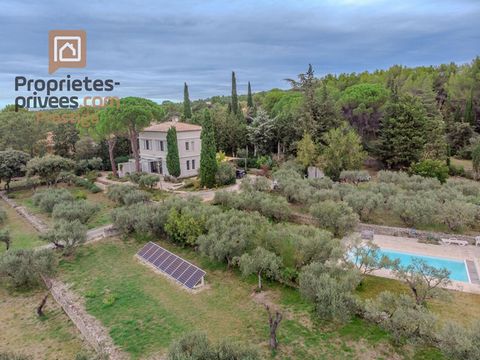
{"x":249,"y":97}
{"x":173,"y":159}
{"x":234,"y":102}
{"x":469,"y":115}
{"x":208,"y":161}
{"x":187,"y":107}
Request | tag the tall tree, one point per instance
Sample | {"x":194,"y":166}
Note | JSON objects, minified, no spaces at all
{"x":249,"y":97}
{"x":234,"y":101}
{"x":187,"y":107}
{"x":306,"y":151}
{"x":208,"y":161}
{"x":343,"y":150}
{"x":65,"y":136}
{"x":402,"y":132}
{"x":131,"y":116}
{"x":173,"y":158}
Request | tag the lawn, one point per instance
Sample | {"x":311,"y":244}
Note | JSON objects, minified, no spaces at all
{"x":24,"y":197}
{"x":22,"y":332}
{"x":144,"y":311}
{"x":23,"y":235}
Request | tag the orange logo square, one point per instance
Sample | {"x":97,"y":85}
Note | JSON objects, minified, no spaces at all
{"x":67,"y":48}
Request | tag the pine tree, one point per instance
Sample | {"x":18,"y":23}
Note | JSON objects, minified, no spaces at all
{"x":208,"y":161}
{"x":187,"y":107}
{"x":402,"y":132}
{"x":173,"y":159}
{"x":249,"y":97}
{"x":234,"y":102}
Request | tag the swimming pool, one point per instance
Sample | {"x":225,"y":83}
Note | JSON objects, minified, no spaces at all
{"x":457,"y":268}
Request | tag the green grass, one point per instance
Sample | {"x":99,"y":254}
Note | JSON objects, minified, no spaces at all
{"x":144,"y":311}
{"x":23,"y":332}
{"x":23,"y":235}
{"x":102,"y":217}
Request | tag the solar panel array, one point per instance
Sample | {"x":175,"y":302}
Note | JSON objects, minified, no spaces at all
{"x":180,"y":270}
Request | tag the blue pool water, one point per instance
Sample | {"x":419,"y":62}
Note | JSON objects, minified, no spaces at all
{"x":457,"y":268}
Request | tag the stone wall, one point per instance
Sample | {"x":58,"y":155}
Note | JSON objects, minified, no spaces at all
{"x":36,"y":222}
{"x":91,"y":329}
{"x":390,"y":230}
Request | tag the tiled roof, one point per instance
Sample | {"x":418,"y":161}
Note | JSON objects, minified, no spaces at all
{"x":179,"y":126}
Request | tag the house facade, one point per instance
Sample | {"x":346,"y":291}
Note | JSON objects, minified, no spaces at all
{"x":153,"y":149}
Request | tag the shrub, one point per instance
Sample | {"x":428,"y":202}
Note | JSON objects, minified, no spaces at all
{"x":325,"y":194}
{"x":90,"y":186}
{"x":456,"y":170}
{"x":182,"y":228}
{"x":339,"y":218}
{"x":257,"y":183}
{"x":431,"y":168}
{"x":47,"y":199}
{"x":117,"y":193}
{"x":354,"y":176}
{"x":364,"y":203}
{"x":457,"y":215}
{"x":397,"y":178}
{"x":457,"y":342}
{"x":69,"y":211}
{"x":148,"y":180}
{"x":136,"y":196}
{"x":321,"y":183}
{"x":87,"y":165}
{"x":225,"y":174}
{"x":196,"y":346}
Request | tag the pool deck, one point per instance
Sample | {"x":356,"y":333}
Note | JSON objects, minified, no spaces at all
{"x":470,"y":254}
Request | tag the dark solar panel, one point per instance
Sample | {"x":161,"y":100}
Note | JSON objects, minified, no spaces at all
{"x":181,"y":270}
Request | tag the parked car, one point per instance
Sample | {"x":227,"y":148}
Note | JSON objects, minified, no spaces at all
{"x":240,"y":173}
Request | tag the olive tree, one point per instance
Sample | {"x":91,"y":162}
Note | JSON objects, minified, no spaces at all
{"x":459,"y":342}
{"x":414,"y":210}
{"x":25,"y":268}
{"x":46,"y":200}
{"x":425,"y":281}
{"x":331,"y":291}
{"x":260,"y":262}
{"x":12,"y":164}
{"x":457,"y":214}
{"x":49,"y":167}
{"x":366,"y":256}
{"x":72,"y":210}
{"x":364,"y":203}
{"x":401,"y":316}
{"x":66,"y":235}
{"x":337,"y":217}
{"x":231,"y":234}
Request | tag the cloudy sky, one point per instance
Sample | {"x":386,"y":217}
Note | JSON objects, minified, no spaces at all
{"x":152,"y":47}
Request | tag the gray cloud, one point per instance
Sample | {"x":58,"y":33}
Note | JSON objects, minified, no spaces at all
{"x":154,"y":46}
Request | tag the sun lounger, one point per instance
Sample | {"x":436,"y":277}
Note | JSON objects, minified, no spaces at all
{"x":453,"y":241}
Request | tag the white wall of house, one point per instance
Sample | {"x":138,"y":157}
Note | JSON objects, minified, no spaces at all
{"x":153,"y":149}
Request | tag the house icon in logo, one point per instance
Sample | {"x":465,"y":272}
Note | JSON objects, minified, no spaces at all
{"x":67,"y":49}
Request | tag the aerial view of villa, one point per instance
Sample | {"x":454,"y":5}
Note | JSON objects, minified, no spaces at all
{"x":242,"y":180}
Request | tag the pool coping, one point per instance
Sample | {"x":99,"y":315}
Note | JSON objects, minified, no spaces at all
{"x":412,"y":246}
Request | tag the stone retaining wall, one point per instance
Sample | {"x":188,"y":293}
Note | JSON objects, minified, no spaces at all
{"x":36,"y":222}
{"x":390,"y":230}
{"x":91,"y":329}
